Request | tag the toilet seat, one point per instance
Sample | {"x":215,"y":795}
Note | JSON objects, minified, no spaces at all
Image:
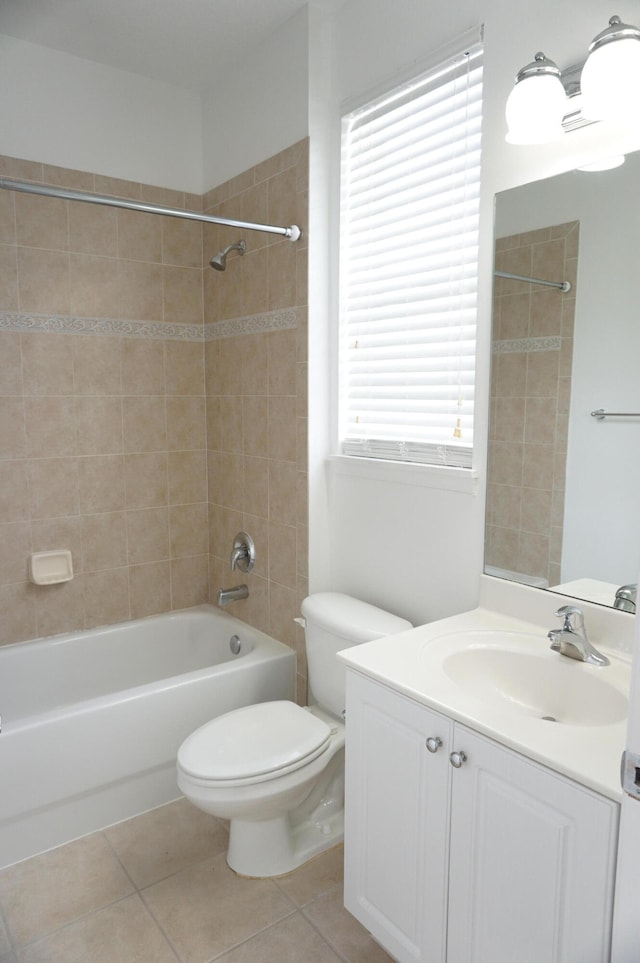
{"x":253,"y":744}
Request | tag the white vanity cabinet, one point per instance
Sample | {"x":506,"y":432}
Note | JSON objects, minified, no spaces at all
{"x":495,"y":861}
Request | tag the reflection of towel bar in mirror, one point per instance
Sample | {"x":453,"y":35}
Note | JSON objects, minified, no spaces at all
{"x":562,"y":285}
{"x":600,"y":413}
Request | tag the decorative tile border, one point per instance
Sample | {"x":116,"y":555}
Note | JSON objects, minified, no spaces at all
{"x":526,"y":344}
{"x":158,"y":330}
{"x":253,"y":324}
{"x":61,"y":324}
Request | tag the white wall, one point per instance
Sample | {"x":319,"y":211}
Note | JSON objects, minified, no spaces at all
{"x":260,"y":106}
{"x":420,"y":551}
{"x":70,"y":112}
{"x":603,"y":467}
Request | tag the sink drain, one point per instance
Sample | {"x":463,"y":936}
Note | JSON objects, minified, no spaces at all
{"x":548,"y":718}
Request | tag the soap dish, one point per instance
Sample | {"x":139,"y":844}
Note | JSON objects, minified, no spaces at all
{"x":50,"y":568}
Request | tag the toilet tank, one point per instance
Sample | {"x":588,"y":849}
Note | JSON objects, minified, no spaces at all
{"x":334,"y":622}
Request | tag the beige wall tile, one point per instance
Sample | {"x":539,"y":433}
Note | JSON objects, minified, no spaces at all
{"x":282,"y":428}
{"x":142,"y":367}
{"x":145,"y":423}
{"x":62,"y":532}
{"x":9,"y":278}
{"x":93,"y":229}
{"x":186,"y":423}
{"x":150,"y":588}
{"x":140,"y":290}
{"x":189,"y":581}
{"x":184,"y":367}
{"x":146,"y":479}
{"x":15,"y":538}
{"x":13,"y":440}
{"x":42,"y":222}
{"x":282,"y":349}
{"x":187,"y":478}
{"x":147,"y":535}
{"x":50,"y":426}
{"x":47,"y":362}
{"x":282,"y":492}
{"x":43,"y":285}
{"x":231,"y":437}
{"x":104,"y":541}
{"x":60,"y":608}
{"x":97,"y":365}
{"x":189,"y":530}
{"x":19,"y":613}
{"x":283,"y":554}
{"x":53,"y":487}
{"x":255,"y":486}
{"x":99,"y":424}
{"x":181,"y":242}
{"x":106,"y":597}
{"x":182,"y":292}
{"x":139,"y":236}
{"x":254,"y":366}
{"x":255,"y":421}
{"x":281,"y":275}
{"x":13,"y":491}
{"x":94,"y":286}
{"x":7,"y":217}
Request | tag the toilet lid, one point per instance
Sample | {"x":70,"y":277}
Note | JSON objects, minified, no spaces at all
{"x":254,"y":741}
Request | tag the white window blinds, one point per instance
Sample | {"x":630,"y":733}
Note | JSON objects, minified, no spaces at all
{"x":410,"y":186}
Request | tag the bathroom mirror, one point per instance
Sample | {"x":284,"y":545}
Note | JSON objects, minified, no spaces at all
{"x":563,"y":497}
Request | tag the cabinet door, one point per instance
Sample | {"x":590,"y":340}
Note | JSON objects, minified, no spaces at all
{"x":531,"y":862}
{"x":396,"y":821}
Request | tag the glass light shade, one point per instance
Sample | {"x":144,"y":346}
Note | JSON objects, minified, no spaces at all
{"x":535,"y":109}
{"x":610,"y":80}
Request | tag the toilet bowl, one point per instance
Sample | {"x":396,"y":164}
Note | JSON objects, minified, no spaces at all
{"x":275,"y":769}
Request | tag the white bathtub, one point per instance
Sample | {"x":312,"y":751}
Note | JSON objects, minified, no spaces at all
{"x":92,"y":721}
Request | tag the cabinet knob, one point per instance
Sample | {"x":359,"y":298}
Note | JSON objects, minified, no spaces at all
{"x":457,"y":758}
{"x":434,"y":743}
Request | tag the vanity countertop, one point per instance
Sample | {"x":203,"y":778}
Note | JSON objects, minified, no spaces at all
{"x":419,"y":663}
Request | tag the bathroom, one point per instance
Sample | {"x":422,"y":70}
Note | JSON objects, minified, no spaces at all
{"x":255,"y":169}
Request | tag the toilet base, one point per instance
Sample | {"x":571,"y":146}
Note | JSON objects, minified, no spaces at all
{"x":275,"y":847}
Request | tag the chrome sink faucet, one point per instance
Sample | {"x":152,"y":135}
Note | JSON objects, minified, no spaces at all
{"x":626,"y":597}
{"x":571,"y":640}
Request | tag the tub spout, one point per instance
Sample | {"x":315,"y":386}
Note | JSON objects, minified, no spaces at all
{"x":225,"y":596}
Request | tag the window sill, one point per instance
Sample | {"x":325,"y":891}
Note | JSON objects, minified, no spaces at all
{"x":424,"y":476}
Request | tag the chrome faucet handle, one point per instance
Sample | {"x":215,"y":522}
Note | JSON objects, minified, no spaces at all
{"x":573,"y":618}
{"x":243,"y":553}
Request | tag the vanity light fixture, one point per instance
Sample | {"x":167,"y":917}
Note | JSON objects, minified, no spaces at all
{"x":545,"y":102}
{"x":537,"y":103}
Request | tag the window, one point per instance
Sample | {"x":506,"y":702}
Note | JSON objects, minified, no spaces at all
{"x":410,"y":187}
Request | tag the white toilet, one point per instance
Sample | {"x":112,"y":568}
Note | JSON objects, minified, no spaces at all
{"x":277,"y":770}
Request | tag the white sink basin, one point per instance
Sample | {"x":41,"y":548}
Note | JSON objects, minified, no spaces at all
{"x":519,"y":673}
{"x":552,"y":689}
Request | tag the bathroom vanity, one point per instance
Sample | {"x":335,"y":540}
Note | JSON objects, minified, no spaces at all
{"x":483,"y":789}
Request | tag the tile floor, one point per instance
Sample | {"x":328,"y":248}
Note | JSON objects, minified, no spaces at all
{"x":157,"y":889}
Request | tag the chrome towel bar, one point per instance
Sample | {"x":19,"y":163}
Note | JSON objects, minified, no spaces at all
{"x":600,"y":413}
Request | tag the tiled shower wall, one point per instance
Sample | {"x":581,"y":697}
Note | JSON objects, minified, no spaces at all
{"x":107,"y":318}
{"x":256,"y":362}
{"x":530,"y":392}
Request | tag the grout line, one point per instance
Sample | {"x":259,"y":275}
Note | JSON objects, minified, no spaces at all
{"x":260,"y":932}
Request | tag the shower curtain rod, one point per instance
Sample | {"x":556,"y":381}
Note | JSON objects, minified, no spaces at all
{"x":562,"y":285}
{"x":293,"y":233}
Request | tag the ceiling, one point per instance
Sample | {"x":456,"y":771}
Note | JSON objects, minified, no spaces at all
{"x":185,"y":43}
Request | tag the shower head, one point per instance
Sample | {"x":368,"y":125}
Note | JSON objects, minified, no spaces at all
{"x":219,"y":261}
